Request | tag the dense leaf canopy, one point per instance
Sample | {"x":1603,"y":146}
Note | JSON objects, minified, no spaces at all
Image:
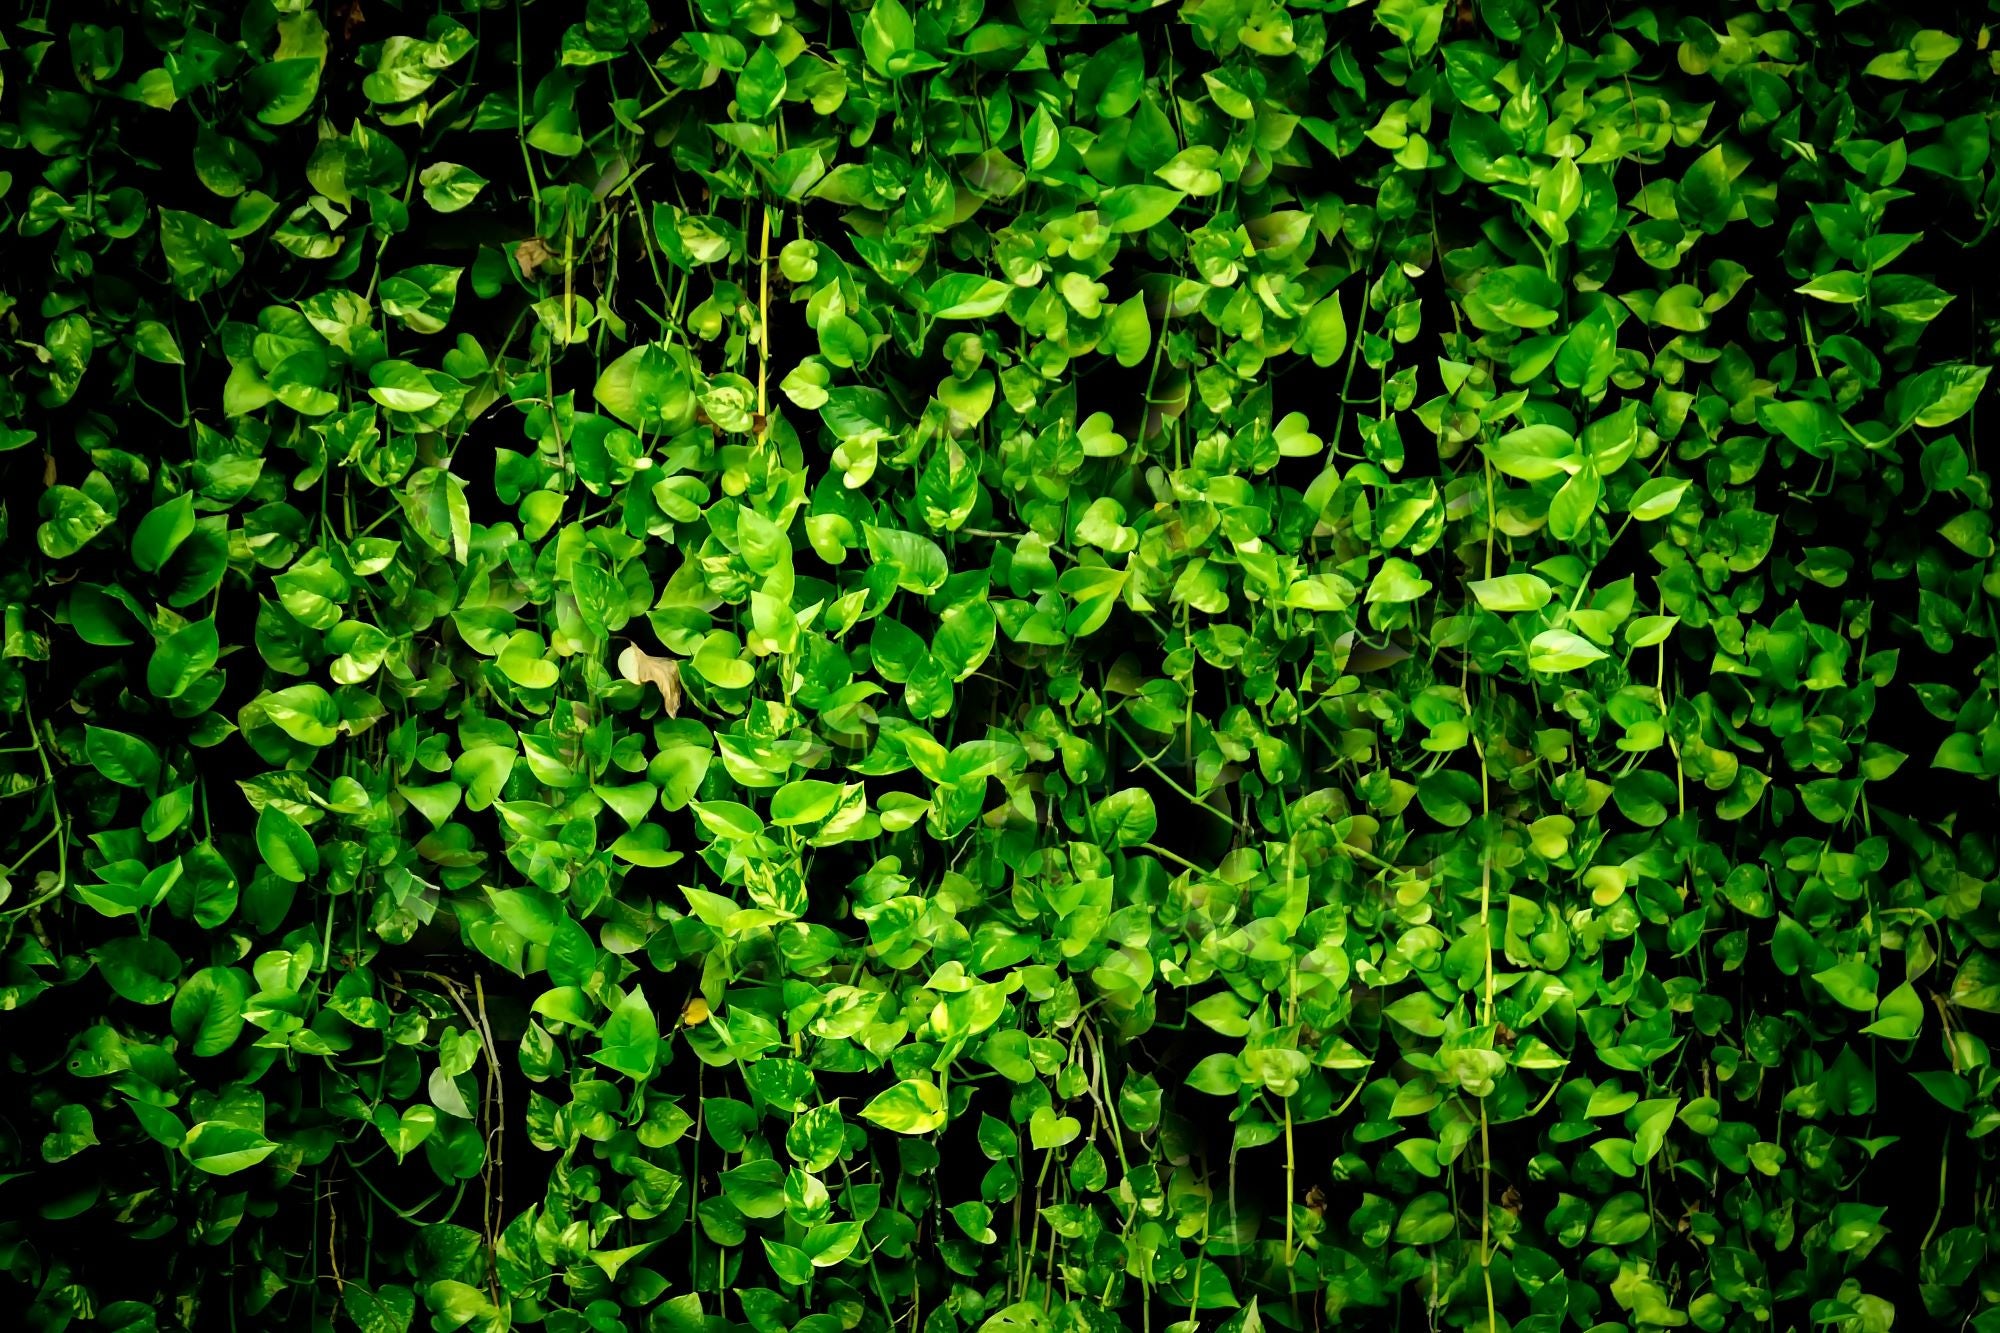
{"x":1056,"y":666}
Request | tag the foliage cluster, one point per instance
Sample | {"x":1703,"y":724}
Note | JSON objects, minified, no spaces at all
{"x":1041,"y":667}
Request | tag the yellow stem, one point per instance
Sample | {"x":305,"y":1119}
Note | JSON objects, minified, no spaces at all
{"x":1489,"y":517}
{"x":764,"y":327}
{"x":1291,"y":1184}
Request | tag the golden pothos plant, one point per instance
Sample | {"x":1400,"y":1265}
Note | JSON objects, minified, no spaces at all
{"x":1044,"y":667}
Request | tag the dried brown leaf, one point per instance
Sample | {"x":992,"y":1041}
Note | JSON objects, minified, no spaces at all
{"x":639,"y":666}
{"x":531,"y":254}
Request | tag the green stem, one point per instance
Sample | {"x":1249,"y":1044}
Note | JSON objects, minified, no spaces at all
{"x":1163,"y":776}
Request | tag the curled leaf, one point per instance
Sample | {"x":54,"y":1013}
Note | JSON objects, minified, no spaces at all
{"x":639,"y":666}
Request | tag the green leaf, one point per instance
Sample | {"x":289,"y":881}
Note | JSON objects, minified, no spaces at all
{"x":306,"y":713}
{"x":756,"y":1188}
{"x":449,"y":187}
{"x":524,"y":660}
{"x":629,"y":1041}
{"x":1128,"y":208}
{"x":161,"y":532}
{"x":1126,"y":817}
{"x":806,"y":801}
{"x":919,"y":562}
{"x":887,"y":33}
{"x":729,"y":820}
{"x":1657,"y":498}
{"x":1645,"y":631}
{"x":1680,"y":308}
{"x":385,"y":1310}
{"x":1623,"y":1220}
{"x":1512,"y":592}
{"x":1129,"y":335}
{"x":222,"y":1148}
{"x":75,"y":1131}
{"x":1325,"y":335}
{"x":285,"y":846}
{"x":1047,"y":1130}
{"x":421,"y":297}
{"x":793,"y":1265}
{"x":1192,"y":171}
{"x":913,"y":1106}
{"x":1589,"y":353}
{"x":1219,"y":1075}
{"x":1575,"y":504}
{"x":1426,"y":1220}
{"x":156,"y":342}
{"x":646,"y":389}
{"x":1397,"y":581}
{"x":719,"y":660}
{"x":1840,"y":287}
{"x":208,"y":1010}
{"x":1901,"y":1016}
{"x":1851,"y":983}
{"x":532,"y":913}
{"x":966,"y":296}
{"x":1922,"y":57}
{"x":200,"y":256}
{"x":124,"y":758}
{"x":1559,"y":650}
{"x":975,"y":1219}
{"x":182,"y":659}
{"x":1650,"y":1120}
{"x":1942,"y":395}
{"x":1535,"y":452}
{"x":141,"y":970}
{"x":402,"y":386}
{"x":71,"y":519}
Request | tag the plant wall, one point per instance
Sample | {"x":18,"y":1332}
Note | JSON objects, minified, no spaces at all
{"x":1045,"y":667}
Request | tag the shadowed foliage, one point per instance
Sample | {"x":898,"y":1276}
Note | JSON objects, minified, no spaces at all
{"x":997,"y":666}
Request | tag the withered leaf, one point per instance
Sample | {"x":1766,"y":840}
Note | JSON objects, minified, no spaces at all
{"x":637,"y":665}
{"x":531,"y":254}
